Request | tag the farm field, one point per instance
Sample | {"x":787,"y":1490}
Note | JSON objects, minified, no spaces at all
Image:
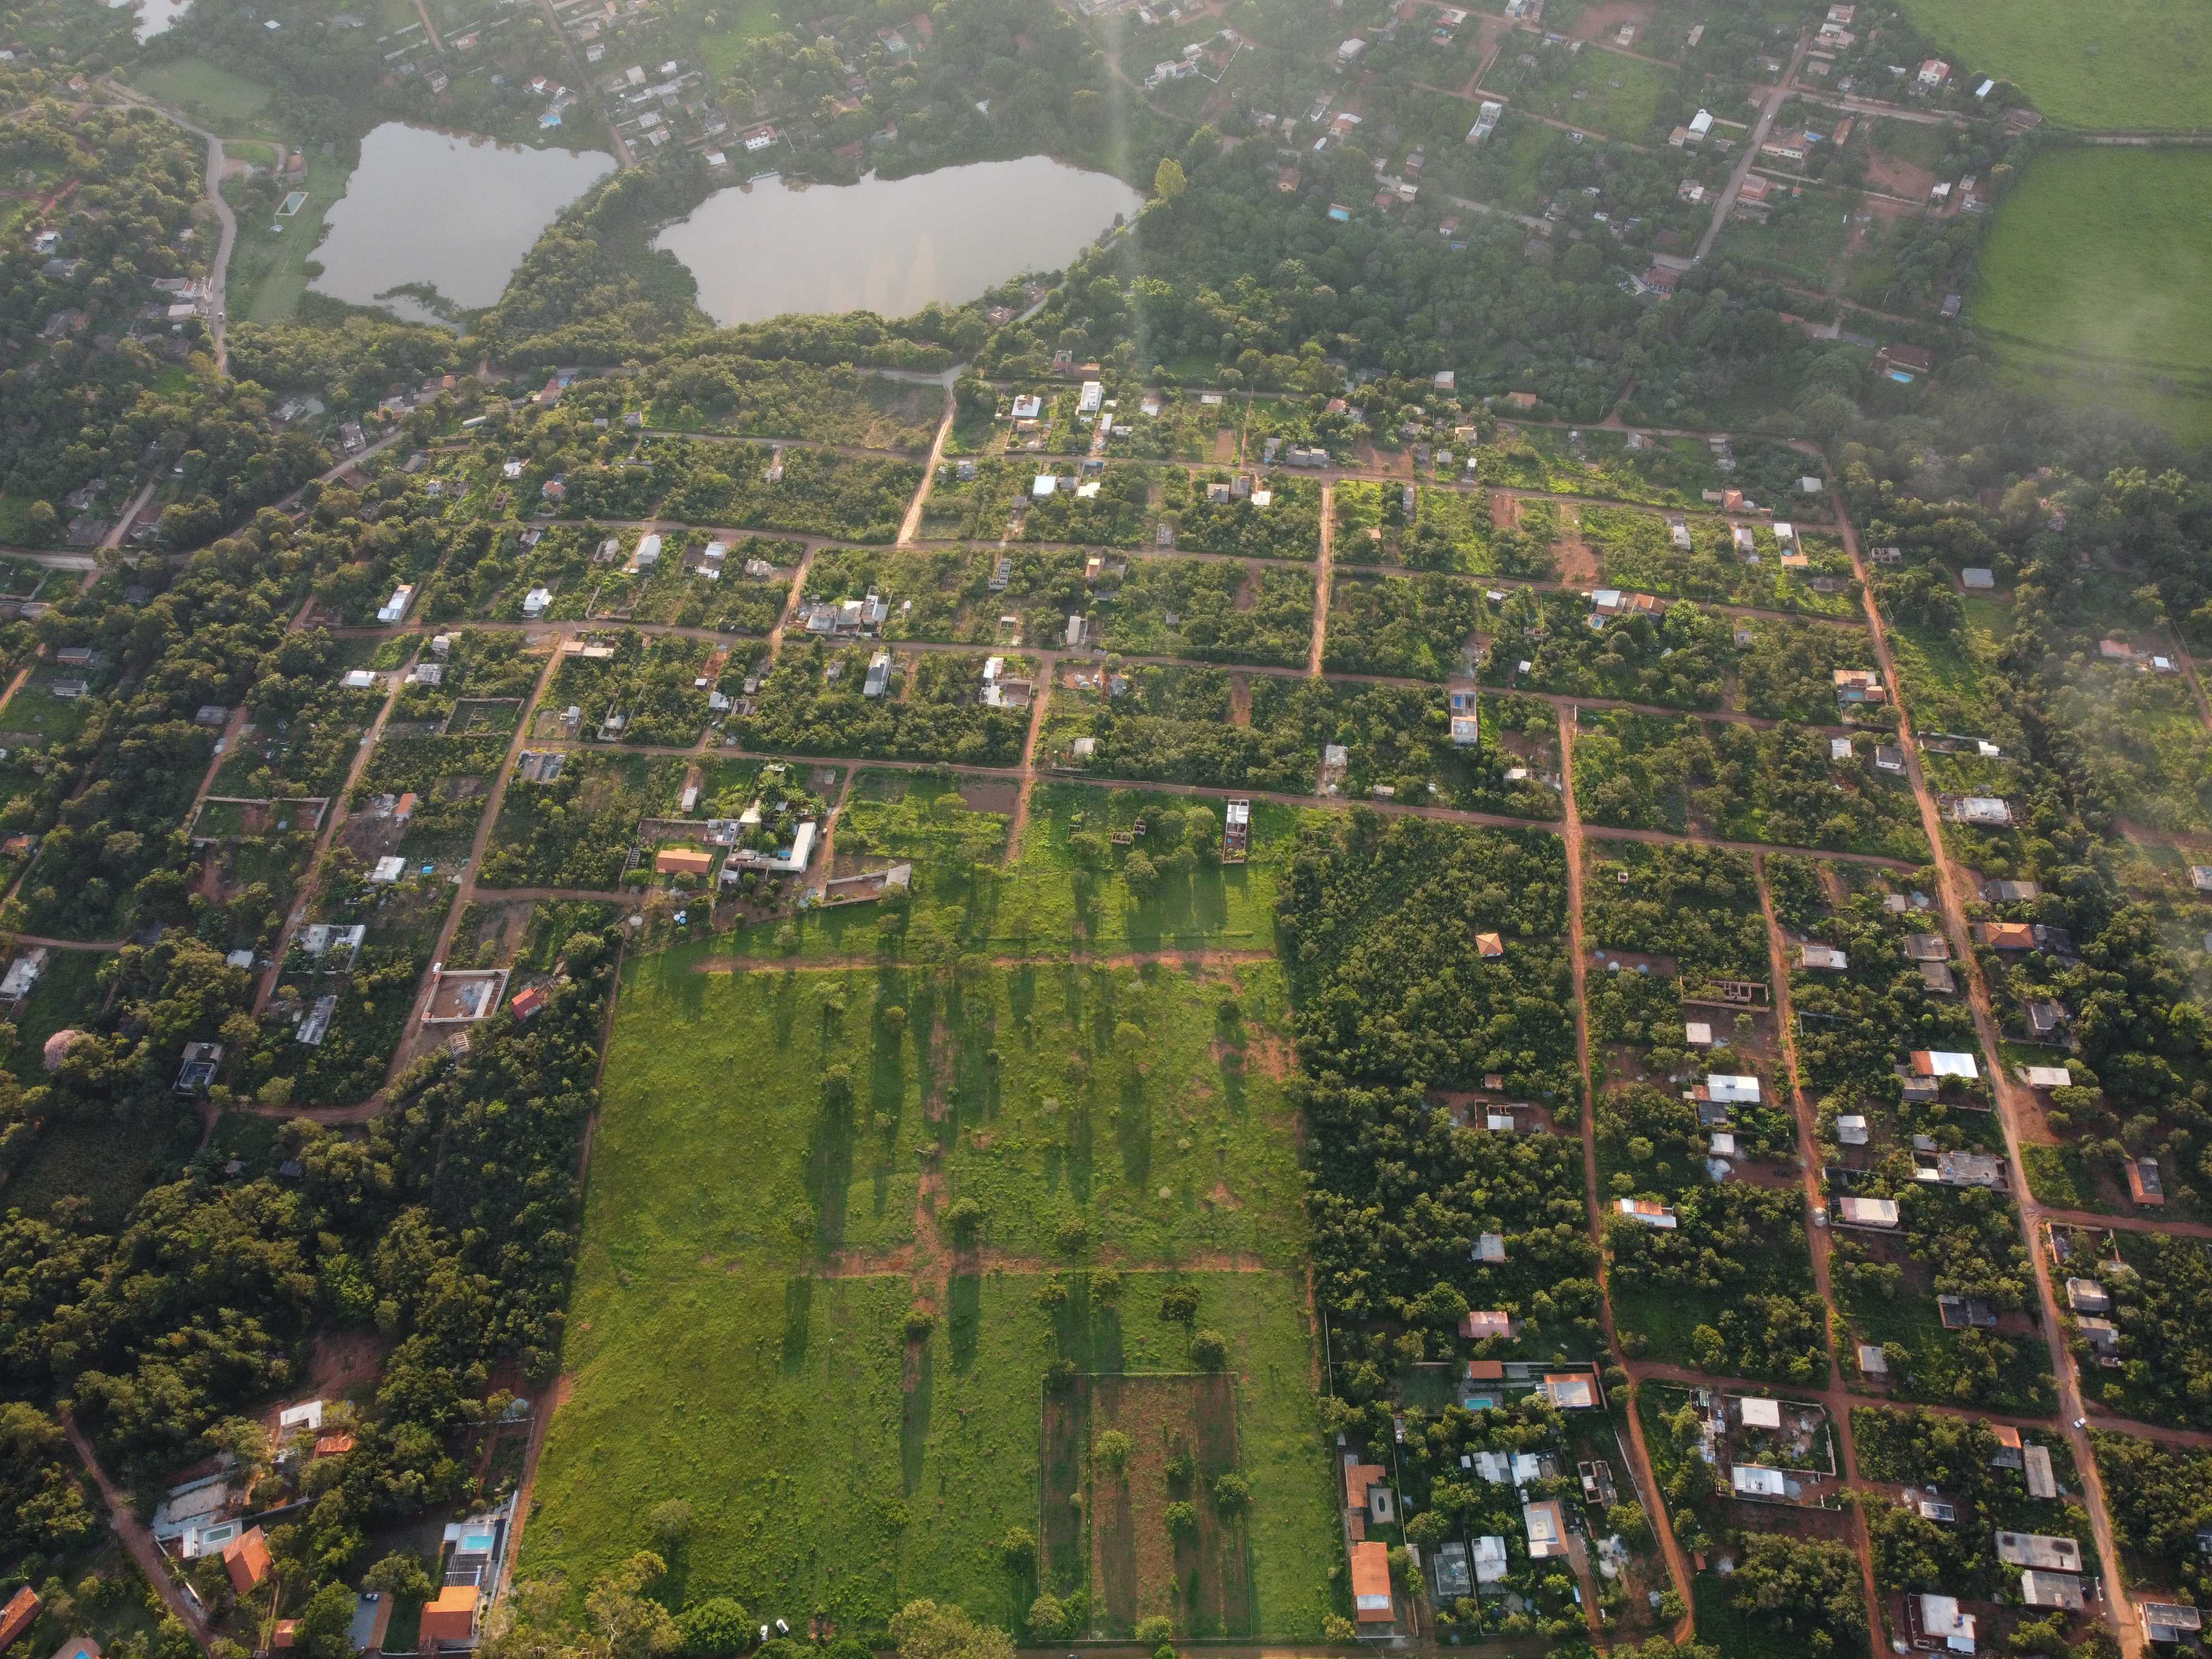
{"x":2096,"y":273}
{"x":2086,"y":67}
{"x":742,"y":1335}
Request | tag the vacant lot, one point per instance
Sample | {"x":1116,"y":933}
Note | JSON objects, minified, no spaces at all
{"x":2128,"y":64}
{"x":230,"y":104}
{"x":2098,"y":275}
{"x":740,"y":1336}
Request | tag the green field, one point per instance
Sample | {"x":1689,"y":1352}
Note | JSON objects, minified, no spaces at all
{"x":2098,"y":278}
{"x":750,"y":1257}
{"x":2127,"y":64}
{"x":232,"y":104}
{"x":269,"y":271}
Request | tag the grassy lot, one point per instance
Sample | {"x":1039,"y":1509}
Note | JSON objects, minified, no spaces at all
{"x":68,"y":993}
{"x":232,"y":104}
{"x":2086,"y":66}
{"x":738,"y":1329}
{"x":271,"y":271}
{"x":1607,"y":93}
{"x":1050,"y":902}
{"x":2098,"y":272}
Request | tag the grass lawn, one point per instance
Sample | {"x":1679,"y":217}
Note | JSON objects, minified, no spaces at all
{"x":275,"y":267}
{"x":232,"y":104}
{"x":2098,"y":271}
{"x":68,"y":993}
{"x":2086,"y":66}
{"x":748,"y":1259}
{"x":1619,"y":95}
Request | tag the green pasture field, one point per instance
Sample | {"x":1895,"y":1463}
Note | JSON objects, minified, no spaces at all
{"x":1047,"y":902}
{"x":1620,"y":95}
{"x":2128,"y":64}
{"x":738,"y":1335}
{"x":271,"y":271}
{"x":231,"y":104}
{"x":2099,"y":273}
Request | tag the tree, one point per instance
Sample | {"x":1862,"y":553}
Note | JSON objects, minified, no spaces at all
{"x":1113,"y":1450}
{"x":1802,"y":1586}
{"x":929,"y":1629}
{"x":671,"y":1521}
{"x":1167,"y":180}
{"x":400,"y":1576}
{"x":1017,"y":1550}
{"x":1232,"y":1493}
{"x":1179,"y":1304}
{"x":1209,"y":1349}
{"x":1048,"y":1618}
{"x":627,"y":1622}
{"x":1153,"y":1631}
{"x":715,"y":1628}
{"x":326,"y":1622}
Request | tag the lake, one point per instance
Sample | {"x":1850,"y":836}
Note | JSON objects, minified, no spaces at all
{"x":890,"y":246}
{"x":154,"y":15}
{"x":457,"y":213}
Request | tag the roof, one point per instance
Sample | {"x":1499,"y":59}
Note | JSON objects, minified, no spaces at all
{"x":2036,"y":1461}
{"x":2052,"y":1590}
{"x":1757,"y":1481}
{"x":1942,"y":1062}
{"x":1546,"y":1527}
{"x":1649,"y":1211}
{"x":1371,"y":1582}
{"x":2040,"y":1550}
{"x":247,"y":1559}
{"x":1867,"y":1211}
{"x":15,"y":1618}
{"x":1570,"y":1391}
{"x":453,"y":1616}
{"x":683,"y":861}
{"x":1490,"y":944}
{"x":1762,"y":1413}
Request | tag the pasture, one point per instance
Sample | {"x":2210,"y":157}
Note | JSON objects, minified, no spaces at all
{"x":2097,"y":281}
{"x":2129,"y":64}
{"x":839,"y":1225}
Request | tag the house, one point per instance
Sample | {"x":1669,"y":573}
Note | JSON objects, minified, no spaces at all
{"x":1851,"y":1130}
{"x":2145,"y":1186}
{"x":2086,"y":1296}
{"x":2168,"y":1622}
{"x":1649,"y":1211}
{"x":2052,"y":1590}
{"x":1824,"y":956}
{"x":1873,"y":1362}
{"x":2040,"y":1551}
{"x":535,"y":602}
{"x":879,"y":675}
{"x":526,"y":1003}
{"x":201,"y":1062}
{"x":1479,"y":1327}
{"x":1370,"y":1584}
{"x":1943,"y":1063}
{"x":23,"y":975}
{"x":1570,"y":1391}
{"x":396,"y":607}
{"x":1978,"y":578}
{"x":1904,"y":363}
{"x":2200,"y":878}
{"x":388,"y":871}
{"x":1961,"y":1313}
{"x":1879,"y":1213}
{"x":2045,"y":1017}
{"x":1547,"y":1527}
{"x":2005,"y":935}
{"x":2048,"y":1077}
{"x":2036,"y":1465}
{"x":683,"y":862}
{"x":450,"y":1619}
{"x":1934,"y":74}
{"x":1856,"y":687}
{"x":246,"y":1558}
{"x":1490,"y":1559}
{"x":1489,"y":946}
{"x":1728,"y":1090}
{"x":1937,"y":979}
{"x":22,"y":1609}
{"x":1927,"y":947}
{"x":1751,"y":1480}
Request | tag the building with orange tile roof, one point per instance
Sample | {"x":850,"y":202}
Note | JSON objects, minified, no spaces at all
{"x":247,"y":1556}
{"x":15,"y":1618}
{"x":1370,"y":1584}
{"x":451,"y":1618}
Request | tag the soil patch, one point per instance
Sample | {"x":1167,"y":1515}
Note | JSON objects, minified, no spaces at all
{"x":1240,"y":700}
{"x":1000,"y":795}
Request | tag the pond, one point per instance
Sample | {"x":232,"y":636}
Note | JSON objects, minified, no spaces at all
{"x":890,"y":246}
{"x":454,"y":214}
{"x":154,"y":15}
